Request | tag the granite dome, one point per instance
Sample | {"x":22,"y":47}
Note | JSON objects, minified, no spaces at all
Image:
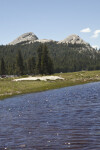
{"x":73,"y":39}
{"x":29,"y":37}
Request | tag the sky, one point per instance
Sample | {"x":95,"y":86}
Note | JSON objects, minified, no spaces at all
{"x":50,"y":19}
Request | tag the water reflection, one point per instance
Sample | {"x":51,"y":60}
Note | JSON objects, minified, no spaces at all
{"x":66,"y":118}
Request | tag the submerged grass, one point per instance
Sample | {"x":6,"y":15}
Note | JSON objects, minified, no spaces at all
{"x":9,"y":88}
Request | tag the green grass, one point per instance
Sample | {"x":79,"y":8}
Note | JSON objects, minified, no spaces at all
{"x":9,"y":88}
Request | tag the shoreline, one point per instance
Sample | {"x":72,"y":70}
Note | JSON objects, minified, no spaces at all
{"x":10,"y":88}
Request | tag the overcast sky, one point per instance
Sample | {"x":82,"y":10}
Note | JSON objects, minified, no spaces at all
{"x":50,"y":19}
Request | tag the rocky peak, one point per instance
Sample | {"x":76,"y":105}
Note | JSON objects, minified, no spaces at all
{"x":26,"y":37}
{"x":73,"y":39}
{"x":30,"y":37}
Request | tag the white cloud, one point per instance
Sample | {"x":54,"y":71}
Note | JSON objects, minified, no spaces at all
{"x":95,"y":46}
{"x":86,"y":30}
{"x":96,"y":34}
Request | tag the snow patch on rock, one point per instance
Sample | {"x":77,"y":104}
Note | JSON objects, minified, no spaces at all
{"x":43,"y":78}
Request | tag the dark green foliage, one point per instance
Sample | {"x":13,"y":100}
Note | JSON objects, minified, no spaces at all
{"x":19,"y":64}
{"x":39,"y":53}
{"x":44,"y":62}
{"x":2,"y":69}
{"x":50,"y":66}
{"x":31,"y":65}
{"x":65,"y":57}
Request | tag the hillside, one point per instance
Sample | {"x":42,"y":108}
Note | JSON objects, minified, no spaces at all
{"x":68,"y":55}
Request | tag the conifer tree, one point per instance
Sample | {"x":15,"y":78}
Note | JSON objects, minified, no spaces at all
{"x":31,"y":65}
{"x":3,"y":70}
{"x":50,"y":66}
{"x":44,"y":61}
{"x":33,"y":62}
{"x":19,"y":64}
{"x":39,"y":53}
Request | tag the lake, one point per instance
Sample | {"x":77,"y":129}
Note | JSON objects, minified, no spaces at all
{"x":61,"y":119}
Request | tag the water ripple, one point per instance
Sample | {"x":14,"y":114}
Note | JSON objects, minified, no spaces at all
{"x":66,"y":118}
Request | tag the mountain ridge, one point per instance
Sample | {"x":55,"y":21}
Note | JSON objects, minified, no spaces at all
{"x":70,"y":54}
{"x":30,"y":37}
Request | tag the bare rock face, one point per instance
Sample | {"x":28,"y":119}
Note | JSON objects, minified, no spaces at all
{"x":73,"y":39}
{"x":26,"y":37}
{"x":44,"y":41}
{"x":30,"y":37}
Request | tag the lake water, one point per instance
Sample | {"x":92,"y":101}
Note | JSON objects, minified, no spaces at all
{"x":61,"y":119}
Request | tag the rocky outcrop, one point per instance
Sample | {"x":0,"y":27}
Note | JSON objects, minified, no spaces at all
{"x":73,"y":39}
{"x":30,"y":37}
{"x":25,"y":38}
{"x":44,"y":41}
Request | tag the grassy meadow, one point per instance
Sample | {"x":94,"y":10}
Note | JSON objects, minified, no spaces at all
{"x":9,"y":88}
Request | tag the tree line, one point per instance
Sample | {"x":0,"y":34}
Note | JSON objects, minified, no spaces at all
{"x":65,"y":57}
{"x":42,"y":64}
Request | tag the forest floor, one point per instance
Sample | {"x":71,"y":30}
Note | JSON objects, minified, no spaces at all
{"x":9,"y":87}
